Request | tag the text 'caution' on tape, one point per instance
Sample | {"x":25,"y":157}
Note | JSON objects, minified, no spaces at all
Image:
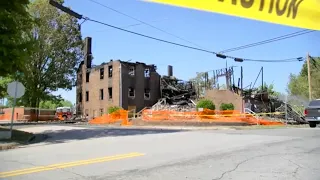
{"x":296,"y":13}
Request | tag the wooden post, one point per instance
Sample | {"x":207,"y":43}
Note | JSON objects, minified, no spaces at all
{"x":309,"y":77}
{"x":242,"y":105}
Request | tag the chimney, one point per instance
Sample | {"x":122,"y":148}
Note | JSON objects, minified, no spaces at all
{"x":87,"y":52}
{"x":170,"y":71}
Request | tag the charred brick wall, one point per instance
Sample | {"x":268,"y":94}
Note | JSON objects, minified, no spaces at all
{"x":95,"y":105}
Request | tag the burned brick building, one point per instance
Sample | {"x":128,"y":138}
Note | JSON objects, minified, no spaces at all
{"x":131,"y":86}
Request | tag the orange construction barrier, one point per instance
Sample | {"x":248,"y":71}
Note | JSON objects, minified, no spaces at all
{"x":118,"y":116}
{"x":231,"y":116}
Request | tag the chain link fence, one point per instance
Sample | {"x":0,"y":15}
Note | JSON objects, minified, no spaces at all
{"x":292,"y":107}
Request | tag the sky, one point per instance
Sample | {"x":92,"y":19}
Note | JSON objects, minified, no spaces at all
{"x":212,"y":31}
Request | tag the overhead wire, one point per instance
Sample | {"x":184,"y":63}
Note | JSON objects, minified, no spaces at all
{"x":282,"y":60}
{"x":287,"y":36}
{"x":150,"y":37}
{"x":228,"y":50}
{"x":190,"y":47}
{"x":127,"y":26}
{"x":145,"y":23}
{"x":79,"y":16}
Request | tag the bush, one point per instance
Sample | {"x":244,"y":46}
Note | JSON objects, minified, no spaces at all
{"x":206,"y":104}
{"x":226,"y":106}
{"x":112,"y":109}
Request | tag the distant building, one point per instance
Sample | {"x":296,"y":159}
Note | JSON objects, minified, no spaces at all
{"x":131,"y":86}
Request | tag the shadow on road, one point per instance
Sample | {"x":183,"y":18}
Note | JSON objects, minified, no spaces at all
{"x":61,"y":136}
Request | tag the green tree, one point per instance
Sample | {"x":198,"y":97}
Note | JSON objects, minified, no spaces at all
{"x":54,"y":105}
{"x":200,"y":82}
{"x":15,"y":43}
{"x":270,"y":89}
{"x":56,"y":53}
{"x":298,"y":84}
{"x":3,"y":86}
{"x":223,"y":87}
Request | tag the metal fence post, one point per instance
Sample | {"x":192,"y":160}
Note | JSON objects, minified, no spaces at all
{"x":286,"y":109}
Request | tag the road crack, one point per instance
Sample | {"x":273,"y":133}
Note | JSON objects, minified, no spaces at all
{"x":242,"y":162}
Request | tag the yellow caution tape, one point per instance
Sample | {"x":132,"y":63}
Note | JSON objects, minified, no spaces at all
{"x":217,"y":115}
{"x":296,"y":13}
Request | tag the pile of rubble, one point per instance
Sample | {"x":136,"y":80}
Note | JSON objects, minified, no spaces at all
{"x":261,"y":102}
{"x":176,"y":95}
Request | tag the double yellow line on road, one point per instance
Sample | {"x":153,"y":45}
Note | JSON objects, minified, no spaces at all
{"x":68,"y":164}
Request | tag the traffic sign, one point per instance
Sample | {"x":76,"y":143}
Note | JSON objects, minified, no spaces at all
{"x":16,"y":89}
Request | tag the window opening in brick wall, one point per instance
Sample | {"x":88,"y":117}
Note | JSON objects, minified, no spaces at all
{"x":110,"y":71}
{"x":146,"y":73}
{"x":101,"y":112}
{"x":110,"y":93}
{"x":101,"y":94}
{"x":80,"y":97}
{"x":131,"y":71}
{"x":87,"y":95}
{"x":102,"y":73}
{"x":87,"y":76}
{"x":146,"y":93}
{"x":131,"y":92}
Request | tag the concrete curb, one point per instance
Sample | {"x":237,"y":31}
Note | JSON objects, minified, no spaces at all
{"x":210,"y":127}
{"x":177,"y":127}
{"x":36,"y":138}
{"x":7,"y":146}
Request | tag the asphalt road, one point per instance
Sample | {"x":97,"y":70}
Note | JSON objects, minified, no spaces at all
{"x":103,"y":154}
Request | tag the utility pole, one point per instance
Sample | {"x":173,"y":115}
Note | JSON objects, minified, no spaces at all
{"x":227,"y":79}
{"x":242,"y":106}
{"x":262,"y":78}
{"x":309,"y":77}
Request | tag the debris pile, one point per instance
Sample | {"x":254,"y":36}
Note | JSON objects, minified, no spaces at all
{"x":175,"y":95}
{"x":261,"y":102}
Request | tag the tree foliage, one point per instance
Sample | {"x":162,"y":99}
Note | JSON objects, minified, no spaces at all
{"x":4,"y":81}
{"x":270,"y":89}
{"x":57,"y":50}
{"x":200,"y":82}
{"x":50,"y":104}
{"x":15,"y":43}
{"x":298,"y":84}
{"x":206,"y":103}
{"x":54,"y":105}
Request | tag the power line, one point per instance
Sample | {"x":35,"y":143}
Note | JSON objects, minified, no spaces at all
{"x":145,"y":23}
{"x":194,"y":48}
{"x":150,"y":37}
{"x":228,"y":50}
{"x":237,"y":59}
{"x":287,"y":36}
{"x":131,"y":25}
{"x":282,"y":60}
